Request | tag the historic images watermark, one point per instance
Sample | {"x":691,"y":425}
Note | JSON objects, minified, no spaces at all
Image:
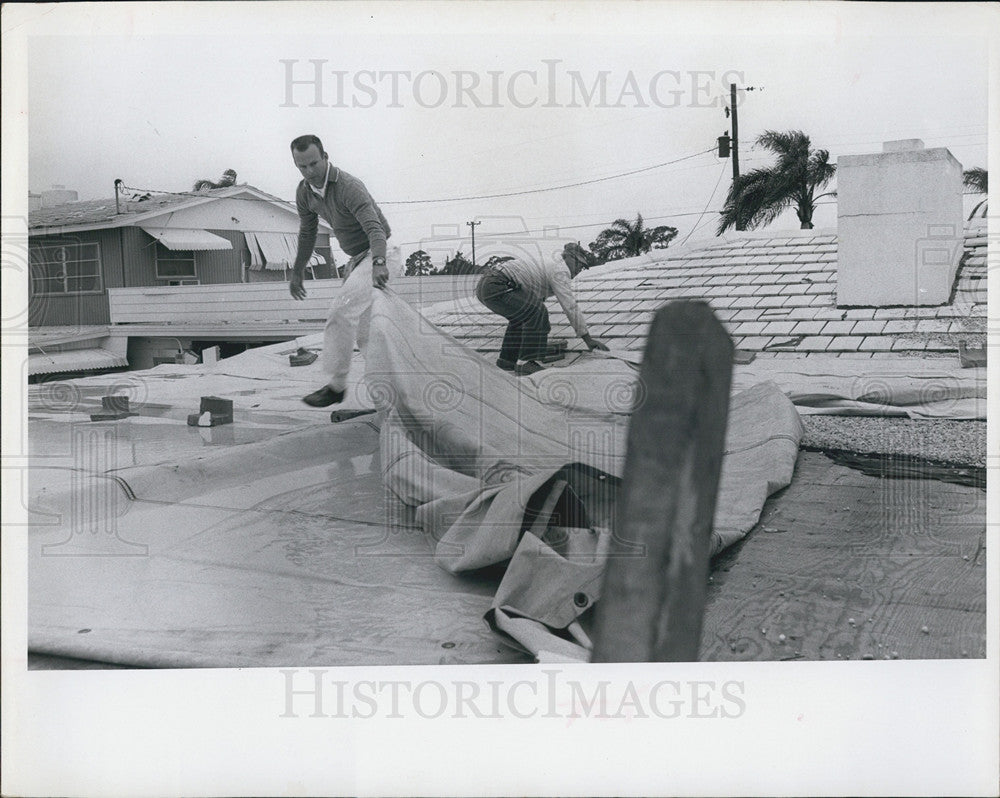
{"x":318,"y":83}
{"x":316,"y":693}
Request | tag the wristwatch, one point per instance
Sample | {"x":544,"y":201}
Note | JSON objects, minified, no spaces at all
{"x":378,"y":261}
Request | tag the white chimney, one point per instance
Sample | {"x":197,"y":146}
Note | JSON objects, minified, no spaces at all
{"x":899,"y":225}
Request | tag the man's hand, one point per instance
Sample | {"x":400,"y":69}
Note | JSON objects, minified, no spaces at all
{"x":295,"y":287}
{"x":380,"y":274}
{"x":593,"y":343}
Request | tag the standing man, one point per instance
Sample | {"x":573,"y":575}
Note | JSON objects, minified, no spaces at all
{"x":361,"y":230}
{"x":517,"y":290}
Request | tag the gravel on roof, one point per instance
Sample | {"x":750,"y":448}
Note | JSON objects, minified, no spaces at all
{"x":941,"y":440}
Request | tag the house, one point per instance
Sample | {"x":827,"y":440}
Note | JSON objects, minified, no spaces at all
{"x":80,"y":251}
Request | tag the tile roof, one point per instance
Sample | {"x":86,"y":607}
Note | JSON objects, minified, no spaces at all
{"x":775,"y":293}
{"x":103,"y":213}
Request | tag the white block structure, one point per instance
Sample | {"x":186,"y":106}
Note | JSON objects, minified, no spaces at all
{"x":899,"y":225}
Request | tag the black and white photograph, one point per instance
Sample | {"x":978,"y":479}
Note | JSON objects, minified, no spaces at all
{"x":499,"y":398}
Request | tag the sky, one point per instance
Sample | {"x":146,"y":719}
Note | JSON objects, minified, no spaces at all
{"x":162,"y":109}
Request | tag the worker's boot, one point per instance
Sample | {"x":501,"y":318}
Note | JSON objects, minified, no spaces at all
{"x":555,"y":350}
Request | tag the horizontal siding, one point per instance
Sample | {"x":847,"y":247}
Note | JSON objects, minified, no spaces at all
{"x":263,"y":302}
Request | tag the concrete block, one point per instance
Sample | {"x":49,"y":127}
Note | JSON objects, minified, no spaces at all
{"x":210,"y":356}
{"x":971,"y":356}
{"x":113,"y":408}
{"x":187,"y":358}
{"x":212,"y":412}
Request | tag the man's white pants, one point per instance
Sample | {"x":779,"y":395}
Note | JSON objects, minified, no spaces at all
{"x":348,"y":321}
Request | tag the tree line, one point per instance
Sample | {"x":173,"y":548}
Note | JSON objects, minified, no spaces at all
{"x":623,"y":239}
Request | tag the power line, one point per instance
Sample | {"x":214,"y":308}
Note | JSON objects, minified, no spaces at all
{"x":710,"y":198}
{"x":196,"y":195}
{"x":550,"y":188}
{"x":548,"y":228}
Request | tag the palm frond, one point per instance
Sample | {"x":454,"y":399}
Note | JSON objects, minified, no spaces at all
{"x":977,"y":179}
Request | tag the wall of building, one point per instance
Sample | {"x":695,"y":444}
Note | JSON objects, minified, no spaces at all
{"x":128,"y":260}
{"x":45,"y":310}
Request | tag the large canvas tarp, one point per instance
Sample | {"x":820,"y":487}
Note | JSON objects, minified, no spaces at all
{"x":502,"y":470}
{"x":305,"y":547}
{"x":907,"y":387}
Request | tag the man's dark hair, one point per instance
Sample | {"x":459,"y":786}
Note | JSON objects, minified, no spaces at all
{"x":303,"y":143}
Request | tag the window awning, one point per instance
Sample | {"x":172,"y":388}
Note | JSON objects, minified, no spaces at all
{"x":181,"y":238}
{"x":275,"y":251}
{"x":92,"y":359}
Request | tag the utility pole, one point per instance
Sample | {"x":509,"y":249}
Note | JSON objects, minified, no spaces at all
{"x":735,"y":152}
{"x":473,"y":226}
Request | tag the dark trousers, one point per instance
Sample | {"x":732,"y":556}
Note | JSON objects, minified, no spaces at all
{"x":528,"y":320}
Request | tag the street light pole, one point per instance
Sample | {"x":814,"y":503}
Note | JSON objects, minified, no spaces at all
{"x":473,"y":226}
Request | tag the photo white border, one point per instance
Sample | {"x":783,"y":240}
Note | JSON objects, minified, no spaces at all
{"x":862,"y":728}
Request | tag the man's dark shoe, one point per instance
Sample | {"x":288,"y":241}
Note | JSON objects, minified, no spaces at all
{"x":507,"y":365}
{"x":554,"y":350}
{"x":324,"y":397}
{"x":527,"y":368}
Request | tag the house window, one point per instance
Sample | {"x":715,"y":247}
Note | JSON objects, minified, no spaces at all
{"x":70,"y":268}
{"x":174,"y":264}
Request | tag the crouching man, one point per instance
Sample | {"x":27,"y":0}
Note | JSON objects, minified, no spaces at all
{"x":517,"y":290}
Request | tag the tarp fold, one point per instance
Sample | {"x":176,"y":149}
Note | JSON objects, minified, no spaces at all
{"x":525,"y":473}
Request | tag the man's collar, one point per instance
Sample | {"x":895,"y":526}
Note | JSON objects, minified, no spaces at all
{"x":332,"y":173}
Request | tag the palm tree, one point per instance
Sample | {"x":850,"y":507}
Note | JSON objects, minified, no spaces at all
{"x":761,"y":195}
{"x":625,"y":239}
{"x":977,"y":179}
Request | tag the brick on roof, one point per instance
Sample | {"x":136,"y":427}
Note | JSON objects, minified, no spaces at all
{"x":776,"y":296}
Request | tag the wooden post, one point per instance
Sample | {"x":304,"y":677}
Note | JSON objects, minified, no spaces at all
{"x":653,"y":598}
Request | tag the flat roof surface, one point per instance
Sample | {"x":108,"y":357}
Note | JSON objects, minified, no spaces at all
{"x":272,"y":541}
